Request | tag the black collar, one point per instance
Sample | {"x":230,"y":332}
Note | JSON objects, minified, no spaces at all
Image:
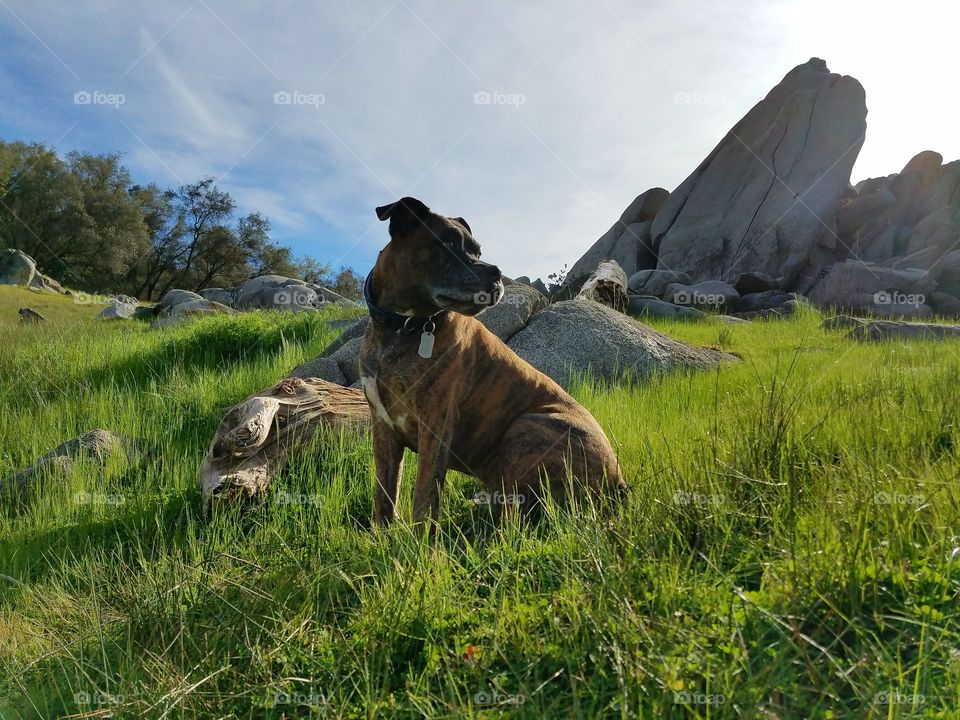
{"x":406,"y":324}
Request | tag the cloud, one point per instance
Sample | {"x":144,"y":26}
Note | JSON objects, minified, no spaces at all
{"x":538,"y":125}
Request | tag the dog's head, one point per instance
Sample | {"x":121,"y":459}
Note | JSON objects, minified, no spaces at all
{"x":432,"y":263}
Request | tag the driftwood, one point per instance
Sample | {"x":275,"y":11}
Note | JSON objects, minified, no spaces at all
{"x":256,"y":437}
{"x":891,"y":329}
{"x":607,"y":285}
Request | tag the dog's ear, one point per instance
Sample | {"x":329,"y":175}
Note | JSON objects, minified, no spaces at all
{"x":464,"y":223}
{"x":403,"y":214}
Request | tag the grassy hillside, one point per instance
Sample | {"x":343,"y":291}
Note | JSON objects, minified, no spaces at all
{"x":789,"y":548}
{"x":58,"y":309}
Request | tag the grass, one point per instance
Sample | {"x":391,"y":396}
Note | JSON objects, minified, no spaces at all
{"x":57,"y":309}
{"x":789,"y":548}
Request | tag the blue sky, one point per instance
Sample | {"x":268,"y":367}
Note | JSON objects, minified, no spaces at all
{"x":537,"y":121}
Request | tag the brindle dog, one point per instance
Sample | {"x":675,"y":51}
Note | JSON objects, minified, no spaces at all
{"x":440,"y":383}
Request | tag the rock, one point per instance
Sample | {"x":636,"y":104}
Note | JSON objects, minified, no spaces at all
{"x":764,"y":300}
{"x":944,"y":304}
{"x":44,"y":283}
{"x":176,"y":297}
{"x":353,"y":329}
{"x":651,"y":307}
{"x":224,"y":296}
{"x":856,"y":285}
{"x":536,"y":285}
{"x":749,"y":283}
{"x":28,"y":315}
{"x":175,"y":314}
{"x":16,"y":268}
{"x":655,"y":282}
{"x":947,"y":273}
{"x":712,"y":294}
{"x":934,"y":236}
{"x":275,"y":292}
{"x":577,"y":337}
{"x":325,"y":295}
{"x":888,"y":330}
{"x":510,"y":315}
{"x":144,"y":312}
{"x":116,"y":310}
{"x":900,"y":310}
{"x":325,"y":368}
{"x":621,"y":242}
{"x":96,"y":445}
{"x":607,"y":285}
{"x":340,"y":366}
{"x":739,"y":211}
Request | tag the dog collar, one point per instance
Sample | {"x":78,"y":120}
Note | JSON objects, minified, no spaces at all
{"x":401,"y":324}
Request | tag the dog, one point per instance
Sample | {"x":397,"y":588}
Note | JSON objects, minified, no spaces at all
{"x":438,"y":382}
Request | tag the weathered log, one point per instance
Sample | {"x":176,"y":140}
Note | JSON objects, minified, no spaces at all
{"x":607,"y":285}
{"x":891,"y":330}
{"x":256,"y":437}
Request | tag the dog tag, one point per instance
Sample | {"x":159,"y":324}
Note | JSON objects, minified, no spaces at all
{"x":426,"y":345}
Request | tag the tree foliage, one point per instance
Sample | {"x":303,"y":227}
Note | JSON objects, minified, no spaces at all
{"x":85,"y":222}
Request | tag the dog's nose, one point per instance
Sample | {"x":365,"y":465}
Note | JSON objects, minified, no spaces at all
{"x":495,"y":272}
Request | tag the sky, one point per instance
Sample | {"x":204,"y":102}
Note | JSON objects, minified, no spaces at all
{"x":537,"y":121}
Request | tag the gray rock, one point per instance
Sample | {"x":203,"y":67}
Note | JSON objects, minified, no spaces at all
{"x":900,"y":310}
{"x":947,"y":273}
{"x":655,"y":282}
{"x":224,"y":296}
{"x":728,"y":319}
{"x":347,"y":358}
{"x":713,"y":294}
{"x":510,"y":315}
{"x":855,"y":285}
{"x":944,"y":304}
{"x":739,"y":211}
{"x":889,"y":330}
{"x":175,"y":297}
{"x":274,"y":292}
{"x":325,"y":368}
{"x":651,"y":307}
{"x":764,"y":300}
{"x":16,"y":268}
{"x":175,"y":314}
{"x":353,"y":329}
{"x":578,"y":337}
{"x":535,"y":284}
{"x":325,"y":295}
{"x":45,"y":283}
{"x":117,"y":311}
{"x":756,"y":282}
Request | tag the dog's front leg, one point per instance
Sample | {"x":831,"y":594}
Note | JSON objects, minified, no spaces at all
{"x":388,"y":458}
{"x":433,"y":454}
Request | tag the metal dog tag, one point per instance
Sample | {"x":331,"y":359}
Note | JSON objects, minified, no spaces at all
{"x":426,"y":345}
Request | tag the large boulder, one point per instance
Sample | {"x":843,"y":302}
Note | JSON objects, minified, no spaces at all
{"x":174,"y":314}
{"x":175,"y":297}
{"x":579,"y":337}
{"x":625,"y":242}
{"x":224,"y":296}
{"x":325,"y":295}
{"x":764,"y":199}
{"x":510,"y":315}
{"x":116,"y":310}
{"x":655,"y":282}
{"x":713,"y":294}
{"x":340,"y":362}
{"x":275,"y":292}
{"x":856,"y":285}
{"x":646,"y":306}
{"x":16,"y":268}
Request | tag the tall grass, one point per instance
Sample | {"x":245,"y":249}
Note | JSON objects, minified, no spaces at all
{"x":789,"y":548}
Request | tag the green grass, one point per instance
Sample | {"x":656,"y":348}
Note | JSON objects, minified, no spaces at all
{"x":788,"y":550}
{"x":57,"y":309}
